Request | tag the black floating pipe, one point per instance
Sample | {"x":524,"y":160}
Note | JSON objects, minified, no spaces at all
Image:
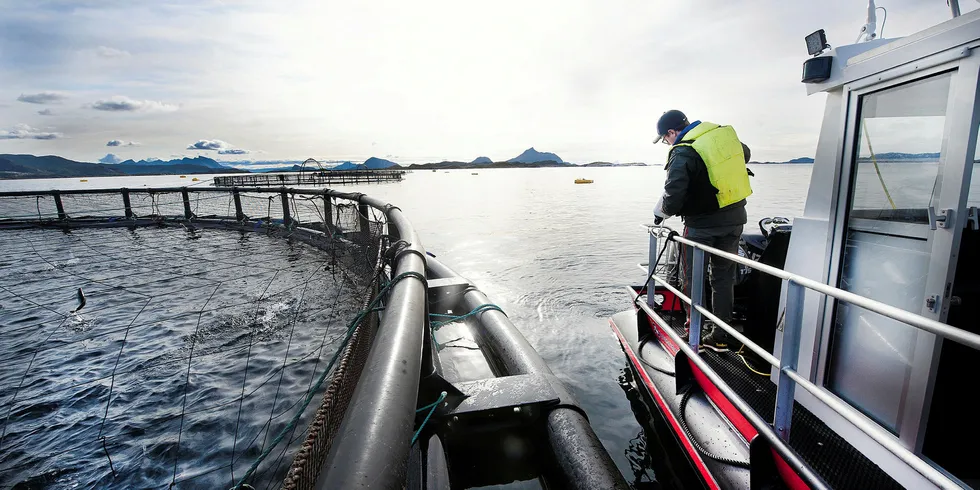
{"x":371,"y":447}
{"x":365,"y":225}
{"x":584,"y":462}
{"x":285,"y":207}
{"x":61,"y":206}
{"x":239,"y":214}
{"x":327,"y":213}
{"x":126,"y":204}
{"x":187,"y":203}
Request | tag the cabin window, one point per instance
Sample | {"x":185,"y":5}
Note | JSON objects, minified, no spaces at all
{"x":899,"y":142}
{"x":896,"y":174}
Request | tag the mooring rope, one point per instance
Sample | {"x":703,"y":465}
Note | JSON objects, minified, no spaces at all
{"x":431,"y":408}
{"x":454,"y":318}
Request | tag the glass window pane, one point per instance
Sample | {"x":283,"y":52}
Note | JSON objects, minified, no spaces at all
{"x":900,"y":141}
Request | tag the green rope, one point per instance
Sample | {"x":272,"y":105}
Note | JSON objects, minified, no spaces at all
{"x":432,"y":408}
{"x":451,"y":318}
{"x":351,"y":328}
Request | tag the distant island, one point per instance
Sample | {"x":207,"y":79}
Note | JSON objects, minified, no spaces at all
{"x":610,"y":164}
{"x":50,"y":166}
{"x":529,"y":158}
{"x":795,"y":160}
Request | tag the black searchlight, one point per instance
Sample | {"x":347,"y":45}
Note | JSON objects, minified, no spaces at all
{"x":817,"y":69}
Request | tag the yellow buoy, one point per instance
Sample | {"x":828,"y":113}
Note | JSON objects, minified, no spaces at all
{"x":583,"y":181}
{"x":195,"y":179}
{"x":183,"y":176}
{"x":83,"y":180}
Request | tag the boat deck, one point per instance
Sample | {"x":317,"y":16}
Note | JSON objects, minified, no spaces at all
{"x":832,"y":457}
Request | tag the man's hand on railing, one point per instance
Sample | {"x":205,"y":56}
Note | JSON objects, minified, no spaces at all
{"x":658,"y":212}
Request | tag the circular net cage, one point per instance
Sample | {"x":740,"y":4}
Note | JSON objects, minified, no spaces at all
{"x":181,"y":338}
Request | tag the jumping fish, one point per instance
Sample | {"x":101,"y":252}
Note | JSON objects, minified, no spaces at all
{"x":81,"y":300}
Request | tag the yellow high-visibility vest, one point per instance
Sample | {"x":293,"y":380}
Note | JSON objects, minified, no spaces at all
{"x":721,"y":151}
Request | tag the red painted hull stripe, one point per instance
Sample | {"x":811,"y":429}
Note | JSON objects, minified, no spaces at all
{"x":744,"y":427}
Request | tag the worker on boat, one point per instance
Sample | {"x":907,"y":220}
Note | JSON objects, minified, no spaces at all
{"x":707,"y":183}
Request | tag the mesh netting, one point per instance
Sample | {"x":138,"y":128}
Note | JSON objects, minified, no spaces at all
{"x":195,"y":350}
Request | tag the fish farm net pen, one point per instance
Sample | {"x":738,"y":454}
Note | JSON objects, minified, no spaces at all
{"x":178,"y":337}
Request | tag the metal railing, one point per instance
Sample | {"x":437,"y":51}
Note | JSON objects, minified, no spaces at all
{"x":787,"y":362}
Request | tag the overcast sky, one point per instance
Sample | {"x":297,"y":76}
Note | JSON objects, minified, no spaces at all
{"x":413,"y":81}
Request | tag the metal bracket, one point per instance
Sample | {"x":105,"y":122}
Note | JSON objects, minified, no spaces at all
{"x":972,"y":218}
{"x":505,"y":392}
{"x":932,"y":302}
{"x":944,"y":219}
{"x":683,"y":374}
{"x":441,"y":289}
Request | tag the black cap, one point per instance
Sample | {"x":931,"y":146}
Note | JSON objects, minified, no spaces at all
{"x":672,"y":119}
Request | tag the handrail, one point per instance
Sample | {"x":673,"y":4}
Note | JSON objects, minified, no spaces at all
{"x":377,"y":428}
{"x":781,"y":446}
{"x":932,"y":326}
{"x":790,"y":349}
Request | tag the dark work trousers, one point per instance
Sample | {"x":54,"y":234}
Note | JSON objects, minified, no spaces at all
{"x":721,"y":272}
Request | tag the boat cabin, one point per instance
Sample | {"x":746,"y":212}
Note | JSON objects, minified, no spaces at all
{"x":864,"y":308}
{"x":891,"y":215}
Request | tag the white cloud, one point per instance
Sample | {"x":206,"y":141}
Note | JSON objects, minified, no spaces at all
{"x":121,"y":143}
{"x":45,"y":112}
{"x":107,"y":52}
{"x":42,"y":98}
{"x":24,"y":132}
{"x":120,"y":103}
{"x":233,"y":151}
{"x":109,"y":158}
{"x":208,"y":145}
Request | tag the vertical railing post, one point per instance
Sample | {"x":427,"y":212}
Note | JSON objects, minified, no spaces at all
{"x":362,"y":209}
{"x":327,"y":213}
{"x":127,"y":205}
{"x":239,"y":215}
{"x":651,"y":267}
{"x":697,"y":293}
{"x":285,"y":208}
{"x":187,"y":203}
{"x":789,"y":355}
{"x":61,"y":206}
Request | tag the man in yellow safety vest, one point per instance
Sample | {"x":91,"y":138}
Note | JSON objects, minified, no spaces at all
{"x":707,"y":183}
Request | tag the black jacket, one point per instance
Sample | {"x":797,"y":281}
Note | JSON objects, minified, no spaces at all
{"x":688,"y":192}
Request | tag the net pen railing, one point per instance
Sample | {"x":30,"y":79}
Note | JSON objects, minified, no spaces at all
{"x":786,"y":363}
{"x":343,"y":225}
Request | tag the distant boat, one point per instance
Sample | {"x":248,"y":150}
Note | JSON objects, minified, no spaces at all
{"x":475,"y":173}
{"x":583,"y":181}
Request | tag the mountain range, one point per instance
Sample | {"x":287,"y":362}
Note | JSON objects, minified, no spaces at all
{"x":50,"y":166}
